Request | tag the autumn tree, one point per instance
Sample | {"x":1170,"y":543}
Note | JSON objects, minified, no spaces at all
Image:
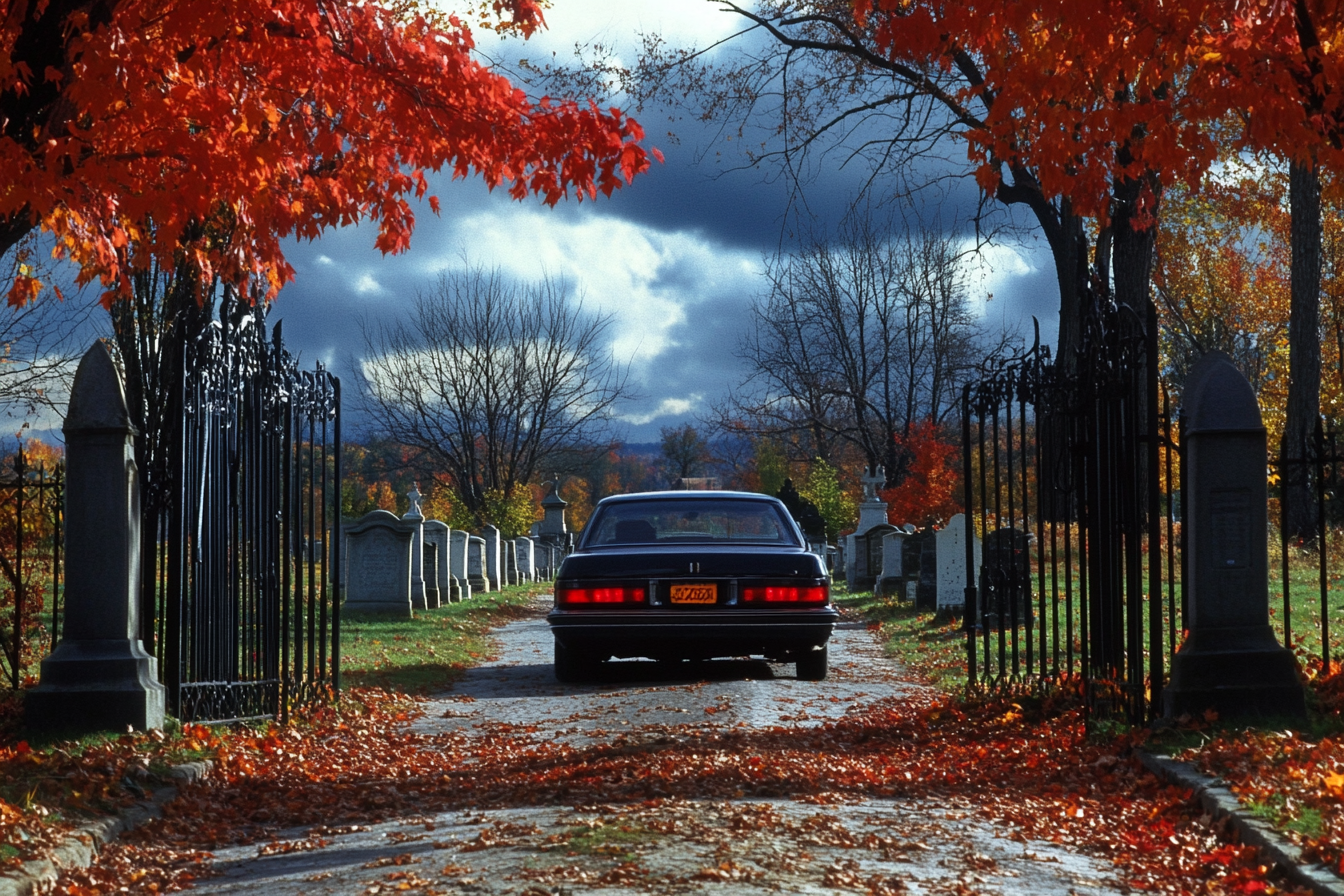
{"x":858,"y":337}
{"x":132,"y":129}
{"x":492,"y":381}
{"x":685,"y":452}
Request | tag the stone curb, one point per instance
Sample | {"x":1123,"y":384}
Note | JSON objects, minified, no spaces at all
{"x":78,"y":850}
{"x":1220,"y":802}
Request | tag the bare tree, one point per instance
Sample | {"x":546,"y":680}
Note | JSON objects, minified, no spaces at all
{"x":685,"y":452}
{"x":492,"y":379}
{"x":857,"y":339}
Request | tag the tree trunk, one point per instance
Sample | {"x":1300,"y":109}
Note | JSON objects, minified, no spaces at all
{"x":1304,"y":349}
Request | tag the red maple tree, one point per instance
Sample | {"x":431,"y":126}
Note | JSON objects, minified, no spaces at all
{"x":138,"y":130}
{"x":927,"y":496}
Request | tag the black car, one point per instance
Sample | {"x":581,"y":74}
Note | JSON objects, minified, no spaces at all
{"x":691,"y":575}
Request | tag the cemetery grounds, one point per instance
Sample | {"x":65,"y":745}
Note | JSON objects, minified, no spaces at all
{"x":1023,"y":762}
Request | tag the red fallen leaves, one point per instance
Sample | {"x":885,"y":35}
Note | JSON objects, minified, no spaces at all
{"x":1039,"y":775}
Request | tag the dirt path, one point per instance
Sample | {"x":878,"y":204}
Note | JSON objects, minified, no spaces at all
{"x":673,"y":845}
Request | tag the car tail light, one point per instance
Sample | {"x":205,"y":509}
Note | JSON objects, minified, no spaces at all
{"x":605,"y":594}
{"x":786,"y":594}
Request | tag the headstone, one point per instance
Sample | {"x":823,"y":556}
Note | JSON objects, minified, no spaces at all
{"x":494,"y":560}
{"x":510,"y":552}
{"x":476,"y":577}
{"x":867,"y":563}
{"x":378,"y":564}
{"x":99,"y":677}
{"x":552,"y":526}
{"x":415,"y":519}
{"x":873,"y":510}
{"x":457,"y":564}
{"x":1230,"y":662}
{"x":527,"y":562}
{"x":953,"y":574}
{"x":926,"y":595}
{"x":430,"y":557}
{"x":436,"y":533}
{"x":1004,"y":594}
{"x":891,"y":576}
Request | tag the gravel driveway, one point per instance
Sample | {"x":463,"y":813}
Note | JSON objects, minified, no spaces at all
{"x":676,"y":845}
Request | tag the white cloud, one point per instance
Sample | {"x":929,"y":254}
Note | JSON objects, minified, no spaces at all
{"x":668,"y":407}
{"x":994,"y":271}
{"x":647,"y":280}
{"x":365,"y":284}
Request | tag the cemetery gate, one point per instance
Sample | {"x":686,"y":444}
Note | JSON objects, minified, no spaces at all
{"x":248,"y":577}
{"x":1068,"y":475}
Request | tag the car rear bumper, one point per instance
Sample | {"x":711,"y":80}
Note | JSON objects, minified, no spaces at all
{"x":694,"y":634}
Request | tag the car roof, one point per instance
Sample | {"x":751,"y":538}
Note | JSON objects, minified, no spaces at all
{"x":689,"y":493}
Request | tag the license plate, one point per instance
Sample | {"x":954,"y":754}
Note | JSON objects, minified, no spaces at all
{"x":695,"y":594}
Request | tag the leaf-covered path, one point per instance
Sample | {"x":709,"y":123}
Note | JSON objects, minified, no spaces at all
{"x":727,"y":777}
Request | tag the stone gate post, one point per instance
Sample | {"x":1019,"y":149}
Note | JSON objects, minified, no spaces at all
{"x":99,"y":676}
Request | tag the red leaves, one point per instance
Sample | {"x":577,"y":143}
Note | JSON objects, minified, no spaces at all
{"x":279,"y":119}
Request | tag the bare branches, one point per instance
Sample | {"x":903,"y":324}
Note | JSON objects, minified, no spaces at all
{"x":491,"y":379}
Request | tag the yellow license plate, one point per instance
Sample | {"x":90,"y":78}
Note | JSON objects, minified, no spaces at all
{"x":695,"y":594}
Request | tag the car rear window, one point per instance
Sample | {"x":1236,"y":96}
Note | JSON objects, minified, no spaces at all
{"x":673,"y":521}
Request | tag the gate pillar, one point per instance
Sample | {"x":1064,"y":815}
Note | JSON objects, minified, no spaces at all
{"x":99,"y":676}
{"x":1231,"y":662}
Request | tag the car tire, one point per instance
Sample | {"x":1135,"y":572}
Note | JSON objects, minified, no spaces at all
{"x":573,"y":665}
{"x":811,"y":666}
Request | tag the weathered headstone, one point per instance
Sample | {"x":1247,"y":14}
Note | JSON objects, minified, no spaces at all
{"x":868,"y":557}
{"x":429,"y":555}
{"x":457,"y":564}
{"x":1004,"y":594}
{"x":553,"y":507}
{"x":99,"y":676}
{"x":1231,"y":661}
{"x":891,"y":577}
{"x":527,"y":562}
{"x":378,"y":564}
{"x":494,"y":560}
{"x":953,"y":574}
{"x":872,"y":512}
{"x":926,"y":594}
{"x":436,"y":533}
{"x":509,"y":549}
{"x":476,"y":576}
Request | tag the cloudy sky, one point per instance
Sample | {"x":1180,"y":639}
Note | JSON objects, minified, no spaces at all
{"x":675,"y":258}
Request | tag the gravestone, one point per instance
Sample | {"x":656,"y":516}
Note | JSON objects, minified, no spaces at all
{"x":924,"y":545}
{"x":378,"y":564}
{"x":1005,"y":578}
{"x":457,"y":564}
{"x":476,"y":577}
{"x":552,"y":526}
{"x":436,"y":533}
{"x":99,"y":676}
{"x":868,"y":557}
{"x":527,"y":562}
{"x":1231,"y":662}
{"x":415,"y":519}
{"x":953,"y":574}
{"x":872,"y":512}
{"x":429,"y":553}
{"x":509,"y":547}
{"x":494,"y":560}
{"x":891,"y":578}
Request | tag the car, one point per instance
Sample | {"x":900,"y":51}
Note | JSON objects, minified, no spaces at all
{"x":691,"y":575}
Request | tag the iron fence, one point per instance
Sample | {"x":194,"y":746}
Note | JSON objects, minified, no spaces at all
{"x":248,"y":623}
{"x":1069,"y":486}
{"x":32,"y":498}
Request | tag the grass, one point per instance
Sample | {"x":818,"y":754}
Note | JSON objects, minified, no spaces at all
{"x":434,"y":647}
{"x":617,"y":841}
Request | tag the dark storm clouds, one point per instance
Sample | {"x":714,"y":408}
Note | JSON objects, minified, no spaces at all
{"x":674,"y":258}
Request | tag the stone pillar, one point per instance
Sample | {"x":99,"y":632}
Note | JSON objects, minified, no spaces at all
{"x":1231,"y":662}
{"x":552,"y":526}
{"x":99,"y":676}
{"x":416,"y":519}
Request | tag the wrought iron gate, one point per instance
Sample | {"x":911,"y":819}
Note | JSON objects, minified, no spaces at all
{"x":249,"y":577}
{"x":1069,"y":485}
